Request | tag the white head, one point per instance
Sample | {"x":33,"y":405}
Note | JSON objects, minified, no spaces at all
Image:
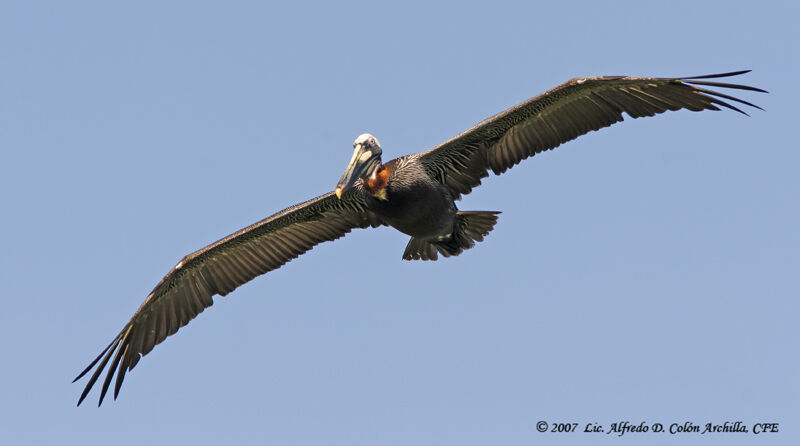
{"x":366,"y":158}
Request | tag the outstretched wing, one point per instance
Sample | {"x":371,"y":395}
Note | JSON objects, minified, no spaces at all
{"x":562,"y":114}
{"x":221,"y":267}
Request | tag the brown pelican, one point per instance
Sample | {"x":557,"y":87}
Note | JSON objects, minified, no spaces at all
{"x":414,"y":194}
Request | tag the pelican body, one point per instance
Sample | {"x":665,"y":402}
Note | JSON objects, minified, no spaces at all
{"x":405,"y":196}
{"x":415,"y":194}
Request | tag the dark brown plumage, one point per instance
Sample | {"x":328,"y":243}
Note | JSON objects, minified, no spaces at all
{"x":414,"y":194}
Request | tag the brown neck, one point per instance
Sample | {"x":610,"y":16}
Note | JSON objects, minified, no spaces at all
{"x":376,"y":183}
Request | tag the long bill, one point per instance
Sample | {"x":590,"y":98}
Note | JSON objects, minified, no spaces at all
{"x":363,"y":163}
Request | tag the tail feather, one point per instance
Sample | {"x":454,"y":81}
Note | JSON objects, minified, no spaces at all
{"x":419,"y":249}
{"x":470,"y":227}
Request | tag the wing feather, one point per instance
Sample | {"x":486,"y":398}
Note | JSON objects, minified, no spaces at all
{"x":564,"y":113}
{"x":220,"y":268}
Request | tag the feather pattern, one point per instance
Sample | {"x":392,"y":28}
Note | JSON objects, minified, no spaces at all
{"x":220,"y":268}
{"x":563,"y":113}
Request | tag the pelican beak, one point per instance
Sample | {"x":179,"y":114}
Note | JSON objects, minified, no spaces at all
{"x":362,"y":164}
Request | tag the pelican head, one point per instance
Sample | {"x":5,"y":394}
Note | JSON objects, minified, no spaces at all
{"x":366,"y":158}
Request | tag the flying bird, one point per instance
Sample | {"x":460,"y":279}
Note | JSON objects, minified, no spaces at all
{"x":415,"y":194}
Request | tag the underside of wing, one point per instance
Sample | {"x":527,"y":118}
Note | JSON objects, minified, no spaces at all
{"x":218,"y":269}
{"x":564,"y":113}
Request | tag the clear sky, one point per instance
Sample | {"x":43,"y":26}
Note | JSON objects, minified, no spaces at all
{"x":647,"y":272}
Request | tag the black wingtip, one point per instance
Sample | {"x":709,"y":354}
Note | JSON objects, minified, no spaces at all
{"x":713,"y":76}
{"x":83,"y":396}
{"x":696,"y":80}
{"x":732,"y":98}
{"x":105,"y":355}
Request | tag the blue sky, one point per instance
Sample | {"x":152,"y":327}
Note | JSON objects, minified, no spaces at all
{"x":647,"y":272}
